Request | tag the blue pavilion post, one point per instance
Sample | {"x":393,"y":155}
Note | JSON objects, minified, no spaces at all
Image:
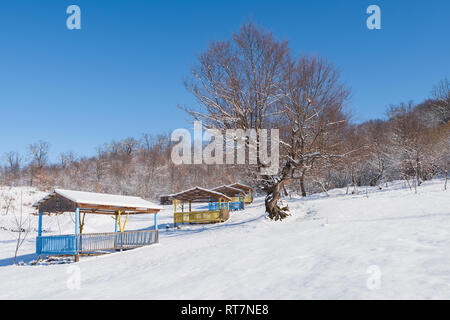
{"x":40,"y":225}
{"x":39,"y":242}
{"x":77,"y":227}
{"x":156,"y":227}
{"x":115,"y":231}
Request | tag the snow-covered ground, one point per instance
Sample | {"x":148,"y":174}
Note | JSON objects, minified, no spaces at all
{"x":386,"y":244}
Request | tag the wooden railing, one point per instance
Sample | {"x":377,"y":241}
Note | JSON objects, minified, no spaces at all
{"x":248,"y":199}
{"x":94,"y":242}
{"x":232,"y":205}
{"x":201,"y":216}
{"x":57,"y":245}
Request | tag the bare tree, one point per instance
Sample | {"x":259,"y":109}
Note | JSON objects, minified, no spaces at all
{"x":21,"y":228}
{"x":130,"y":146}
{"x":67,"y":159}
{"x":441,"y":100}
{"x":249,"y":82}
{"x":13,"y":160}
{"x":313,"y":105}
{"x":442,"y":150}
{"x":355,"y":162}
{"x":411,"y":141}
{"x":39,"y":157}
{"x":237,"y":86}
{"x":6,"y":202}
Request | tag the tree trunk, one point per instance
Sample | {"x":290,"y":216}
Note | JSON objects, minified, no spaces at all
{"x":272,"y":198}
{"x":302,"y":184}
{"x":31,"y":176}
{"x":418,"y":171}
{"x":285,"y":191}
{"x":324,"y":189}
{"x":82,"y":223}
{"x":376,"y":180}
{"x":355,"y":189}
{"x":273,"y":189}
{"x":446,"y":179}
{"x":407,"y":180}
{"x":17,"y":244}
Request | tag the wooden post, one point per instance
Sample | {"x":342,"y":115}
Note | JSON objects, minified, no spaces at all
{"x":125,"y":222}
{"x":240,"y":201}
{"x":121,"y":230}
{"x":156,"y":227}
{"x":115,"y":230}
{"x":175,"y":213}
{"x":190,"y":205}
{"x":40,"y":225}
{"x":39,"y":241}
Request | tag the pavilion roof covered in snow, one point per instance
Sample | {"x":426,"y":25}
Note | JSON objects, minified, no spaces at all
{"x":241,"y":186}
{"x":60,"y":201}
{"x":198,"y":194}
{"x":229,"y":191}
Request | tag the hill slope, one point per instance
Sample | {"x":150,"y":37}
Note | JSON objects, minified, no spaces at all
{"x":331,"y":247}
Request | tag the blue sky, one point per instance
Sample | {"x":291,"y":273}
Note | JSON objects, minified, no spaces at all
{"x":121,"y":74}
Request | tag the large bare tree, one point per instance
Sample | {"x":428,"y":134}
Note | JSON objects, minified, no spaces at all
{"x":237,"y":83}
{"x":250,"y":82}
{"x":313,"y":101}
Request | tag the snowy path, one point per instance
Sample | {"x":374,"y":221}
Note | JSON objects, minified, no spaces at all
{"x":322,"y":251}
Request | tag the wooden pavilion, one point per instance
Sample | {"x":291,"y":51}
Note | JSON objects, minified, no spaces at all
{"x":165,"y":200}
{"x":237,"y":196}
{"x":78,"y":202}
{"x":200,"y":195}
{"x":248,"y":191}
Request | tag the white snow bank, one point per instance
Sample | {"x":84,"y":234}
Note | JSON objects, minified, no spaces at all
{"x":386,"y":244}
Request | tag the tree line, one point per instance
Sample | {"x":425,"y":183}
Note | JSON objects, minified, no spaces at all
{"x":132,"y":166}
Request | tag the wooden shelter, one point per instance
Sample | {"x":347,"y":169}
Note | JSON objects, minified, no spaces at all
{"x":248,"y":191}
{"x":165,"y":200}
{"x":200,"y":195}
{"x":60,"y":201}
{"x":237,"y":196}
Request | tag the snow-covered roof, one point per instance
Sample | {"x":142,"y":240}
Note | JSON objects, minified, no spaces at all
{"x":224,"y":186}
{"x":198,"y":193}
{"x":101,"y":199}
{"x":228,"y":189}
{"x":241,"y":186}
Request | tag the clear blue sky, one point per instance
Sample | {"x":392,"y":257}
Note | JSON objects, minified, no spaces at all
{"x":121,"y":74}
